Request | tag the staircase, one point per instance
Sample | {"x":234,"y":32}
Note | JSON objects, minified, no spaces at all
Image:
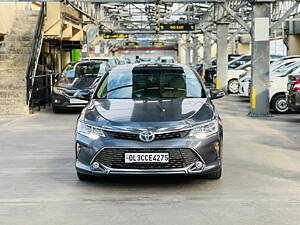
{"x":15,"y":53}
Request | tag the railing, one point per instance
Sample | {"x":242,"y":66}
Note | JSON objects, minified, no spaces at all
{"x":34,"y":57}
{"x":41,"y":91}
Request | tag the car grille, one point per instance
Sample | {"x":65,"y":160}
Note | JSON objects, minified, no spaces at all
{"x":178,"y":158}
{"x":70,"y":93}
{"x":160,"y":136}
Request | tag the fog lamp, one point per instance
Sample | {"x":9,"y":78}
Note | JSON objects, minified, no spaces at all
{"x":217,"y":146}
{"x":78,"y":148}
{"x":95,"y":165}
{"x":199,"y":165}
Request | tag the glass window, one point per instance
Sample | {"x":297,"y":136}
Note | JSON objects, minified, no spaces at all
{"x":68,"y":71}
{"x":283,"y":67}
{"x":292,"y":69}
{"x":151,"y":83}
{"x":112,"y":62}
{"x":87,"y":69}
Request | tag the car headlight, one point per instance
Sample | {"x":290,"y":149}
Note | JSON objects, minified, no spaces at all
{"x":58,"y":90}
{"x":246,"y":80}
{"x":89,"y":131}
{"x":205,"y":130}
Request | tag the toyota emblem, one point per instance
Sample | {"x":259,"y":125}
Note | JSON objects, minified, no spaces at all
{"x":147,"y":136}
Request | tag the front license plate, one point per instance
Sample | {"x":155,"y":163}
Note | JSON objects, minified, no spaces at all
{"x":146,"y":157}
{"x":77,"y":101}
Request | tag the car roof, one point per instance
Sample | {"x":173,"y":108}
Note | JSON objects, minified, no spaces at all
{"x":91,"y":61}
{"x":98,"y":58}
{"x":167,"y":57}
{"x":131,"y":67}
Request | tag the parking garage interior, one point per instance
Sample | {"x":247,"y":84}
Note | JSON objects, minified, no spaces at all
{"x":246,"y":50}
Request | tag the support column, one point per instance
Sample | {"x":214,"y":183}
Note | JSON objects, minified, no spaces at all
{"x":188,"y":52}
{"x":206,"y":51}
{"x":195,"y":49}
{"x":222,"y":56}
{"x":260,"y":60}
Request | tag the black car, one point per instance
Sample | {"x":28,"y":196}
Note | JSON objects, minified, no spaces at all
{"x":75,"y":77}
{"x":149,"y":119}
{"x":293,"y":97}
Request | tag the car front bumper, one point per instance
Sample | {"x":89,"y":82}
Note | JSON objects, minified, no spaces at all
{"x":63,"y":102}
{"x":244,"y":89}
{"x":210,"y":158}
{"x":86,"y":169}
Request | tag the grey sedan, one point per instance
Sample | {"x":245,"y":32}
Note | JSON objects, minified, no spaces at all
{"x":149,"y":119}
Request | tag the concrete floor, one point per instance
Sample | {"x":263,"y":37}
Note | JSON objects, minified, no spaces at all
{"x":260,"y":185}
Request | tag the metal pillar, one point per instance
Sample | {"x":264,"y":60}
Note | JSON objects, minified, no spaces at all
{"x":206,"y":51}
{"x":260,"y":60}
{"x":195,"y":49}
{"x":222,"y":56}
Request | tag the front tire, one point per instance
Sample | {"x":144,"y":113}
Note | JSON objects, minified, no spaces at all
{"x":214,"y":175}
{"x":233,"y":86}
{"x":56,"y":109}
{"x":279,"y":104}
{"x":84,"y":177}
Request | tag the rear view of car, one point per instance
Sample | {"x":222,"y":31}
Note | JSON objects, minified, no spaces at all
{"x":293,"y":97}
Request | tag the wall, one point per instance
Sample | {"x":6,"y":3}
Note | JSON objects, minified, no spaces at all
{"x":56,"y":26}
{"x":8,"y":13}
{"x":294,"y":44}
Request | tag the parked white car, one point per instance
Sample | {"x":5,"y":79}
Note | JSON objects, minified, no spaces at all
{"x":277,"y":89}
{"x":233,"y":75}
{"x":277,"y":68}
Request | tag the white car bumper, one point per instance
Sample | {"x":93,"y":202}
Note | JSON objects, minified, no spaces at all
{"x":244,"y":88}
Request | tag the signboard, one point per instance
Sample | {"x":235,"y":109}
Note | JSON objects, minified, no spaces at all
{"x":157,"y":43}
{"x":131,"y":43}
{"x":115,"y":36}
{"x":177,"y":27}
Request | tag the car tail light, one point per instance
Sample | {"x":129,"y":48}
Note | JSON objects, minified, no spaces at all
{"x":297,"y":85}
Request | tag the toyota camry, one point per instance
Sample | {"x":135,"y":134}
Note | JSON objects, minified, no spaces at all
{"x":149,"y":119}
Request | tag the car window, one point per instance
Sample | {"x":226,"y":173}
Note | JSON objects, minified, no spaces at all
{"x":144,"y":83}
{"x":112,"y":62}
{"x":87,"y":69}
{"x":70,"y":74}
{"x":283,"y":67}
{"x":292,"y":69}
{"x":68,"y":71}
{"x":102,"y":69}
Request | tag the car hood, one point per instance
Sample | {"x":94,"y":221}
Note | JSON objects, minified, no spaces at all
{"x":78,"y":83}
{"x":154,"y":114}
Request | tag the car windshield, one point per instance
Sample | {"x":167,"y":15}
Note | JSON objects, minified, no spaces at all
{"x":291,"y":69}
{"x":167,"y":61}
{"x":150,"y":83}
{"x":89,"y":69}
{"x":68,"y":71}
{"x":282,"y":68}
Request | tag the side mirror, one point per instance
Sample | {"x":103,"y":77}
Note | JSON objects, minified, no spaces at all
{"x":83,"y":95}
{"x":216,"y":93}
